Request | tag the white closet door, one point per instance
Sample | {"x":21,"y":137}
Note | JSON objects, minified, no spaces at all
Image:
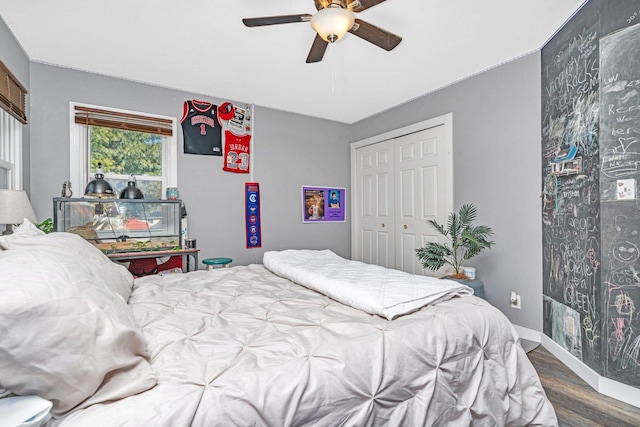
{"x":374,"y":234}
{"x":400,"y":180}
{"x":422,"y":192}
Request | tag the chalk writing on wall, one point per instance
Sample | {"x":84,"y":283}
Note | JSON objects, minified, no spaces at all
{"x":591,"y":239}
{"x":620,"y":102}
{"x":620,"y":148}
{"x":571,"y":203}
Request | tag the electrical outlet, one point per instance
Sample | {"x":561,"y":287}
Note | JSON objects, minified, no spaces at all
{"x":518,"y":303}
{"x":515,"y":300}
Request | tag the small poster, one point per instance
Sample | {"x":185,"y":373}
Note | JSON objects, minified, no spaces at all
{"x":626,"y":189}
{"x":323,"y":204}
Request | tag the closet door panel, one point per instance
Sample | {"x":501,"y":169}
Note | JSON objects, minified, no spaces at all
{"x":374,"y":222}
{"x":420,"y":168}
{"x":429,"y":177}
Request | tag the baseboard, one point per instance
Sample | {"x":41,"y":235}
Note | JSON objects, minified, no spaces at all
{"x":603,"y":385}
{"x":608,"y":387}
{"x":527,"y":334}
{"x":590,"y":376}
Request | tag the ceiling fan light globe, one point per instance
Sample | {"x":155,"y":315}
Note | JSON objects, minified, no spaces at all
{"x":332,"y":23}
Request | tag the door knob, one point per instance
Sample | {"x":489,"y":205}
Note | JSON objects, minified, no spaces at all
{"x":383,"y":225}
{"x":405,"y":226}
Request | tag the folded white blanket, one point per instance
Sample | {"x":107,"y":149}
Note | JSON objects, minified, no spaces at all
{"x":370,"y":288}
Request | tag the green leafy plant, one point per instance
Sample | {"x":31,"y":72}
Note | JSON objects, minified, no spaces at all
{"x":46,"y":226}
{"x":465,"y":242}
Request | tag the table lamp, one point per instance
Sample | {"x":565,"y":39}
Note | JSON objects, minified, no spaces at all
{"x":14,"y":208}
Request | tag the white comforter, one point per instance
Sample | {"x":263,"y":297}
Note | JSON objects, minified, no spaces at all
{"x":244,"y":347}
{"x":371,"y":288}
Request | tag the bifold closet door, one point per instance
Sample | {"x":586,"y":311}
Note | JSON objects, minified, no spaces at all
{"x":421,"y":164}
{"x":374,"y":233}
{"x":400,"y":184}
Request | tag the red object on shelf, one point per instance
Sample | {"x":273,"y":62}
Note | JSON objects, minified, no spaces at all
{"x":136,"y":224}
{"x":146,"y":266}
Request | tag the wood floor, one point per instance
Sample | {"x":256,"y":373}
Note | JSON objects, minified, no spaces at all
{"x":575,"y":402}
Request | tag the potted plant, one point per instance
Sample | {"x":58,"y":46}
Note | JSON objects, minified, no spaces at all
{"x":46,"y":226}
{"x":466,"y":241}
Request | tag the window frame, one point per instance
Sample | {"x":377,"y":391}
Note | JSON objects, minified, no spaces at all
{"x":79,"y":148}
{"x":11,"y":150}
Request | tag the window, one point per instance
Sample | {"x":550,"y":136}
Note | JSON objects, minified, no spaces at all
{"x":12,"y":94}
{"x":10,"y":152}
{"x":125,"y":143}
{"x":12,"y":117}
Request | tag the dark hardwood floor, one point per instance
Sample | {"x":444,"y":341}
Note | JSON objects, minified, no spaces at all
{"x":575,"y":402}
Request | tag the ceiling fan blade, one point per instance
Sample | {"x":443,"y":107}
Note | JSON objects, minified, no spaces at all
{"x":376,"y":35}
{"x":321,"y":4}
{"x":360,"y":5}
{"x":318,"y":48}
{"x":273,"y":20}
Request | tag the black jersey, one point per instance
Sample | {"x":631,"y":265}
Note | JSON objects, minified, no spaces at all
{"x":201,"y":129}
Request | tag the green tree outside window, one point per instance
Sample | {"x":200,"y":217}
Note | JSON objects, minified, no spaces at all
{"x":124,"y":152}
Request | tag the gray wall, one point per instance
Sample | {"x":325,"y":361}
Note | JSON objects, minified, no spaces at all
{"x":496,"y":161}
{"x":12,"y":55}
{"x":496,"y":143}
{"x":289,"y":151}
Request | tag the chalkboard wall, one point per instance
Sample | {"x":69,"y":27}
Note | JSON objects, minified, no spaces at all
{"x":591,"y":220}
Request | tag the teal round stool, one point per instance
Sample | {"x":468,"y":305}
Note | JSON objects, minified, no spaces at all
{"x":216,"y":262}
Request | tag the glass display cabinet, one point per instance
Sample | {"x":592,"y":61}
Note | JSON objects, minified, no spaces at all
{"x":125,"y":229}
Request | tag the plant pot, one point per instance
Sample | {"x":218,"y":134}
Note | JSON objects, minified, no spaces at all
{"x":458,"y":276}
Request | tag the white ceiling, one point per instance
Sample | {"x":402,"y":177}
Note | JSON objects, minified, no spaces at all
{"x":202,"y":46}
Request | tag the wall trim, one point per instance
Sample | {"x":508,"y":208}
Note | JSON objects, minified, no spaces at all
{"x":445,"y":119}
{"x":527,"y":334}
{"x":603,"y":385}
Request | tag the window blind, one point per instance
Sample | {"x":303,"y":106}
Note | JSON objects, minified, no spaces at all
{"x":125,"y":121}
{"x":12,"y":94}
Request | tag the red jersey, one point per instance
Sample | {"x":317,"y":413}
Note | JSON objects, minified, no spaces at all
{"x":237,"y":154}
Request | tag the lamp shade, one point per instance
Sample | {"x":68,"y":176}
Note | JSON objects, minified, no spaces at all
{"x":332,"y":23}
{"x":98,"y":187}
{"x":15,"y":207}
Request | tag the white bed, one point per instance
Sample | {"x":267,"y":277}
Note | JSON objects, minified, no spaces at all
{"x":244,"y":346}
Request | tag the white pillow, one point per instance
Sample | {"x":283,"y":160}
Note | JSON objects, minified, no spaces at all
{"x":26,"y":229}
{"x":83,"y":260}
{"x":64,"y":338}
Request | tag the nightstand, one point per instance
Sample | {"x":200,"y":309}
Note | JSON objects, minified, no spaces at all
{"x":475,"y":284}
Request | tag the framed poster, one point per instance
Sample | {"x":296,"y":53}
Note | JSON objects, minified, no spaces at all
{"x":323,"y":204}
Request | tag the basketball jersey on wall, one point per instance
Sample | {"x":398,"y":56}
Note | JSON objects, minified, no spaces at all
{"x":201,"y":129}
{"x":237,"y":152}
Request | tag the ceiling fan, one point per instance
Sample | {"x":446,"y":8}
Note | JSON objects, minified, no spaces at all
{"x":331,"y":22}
